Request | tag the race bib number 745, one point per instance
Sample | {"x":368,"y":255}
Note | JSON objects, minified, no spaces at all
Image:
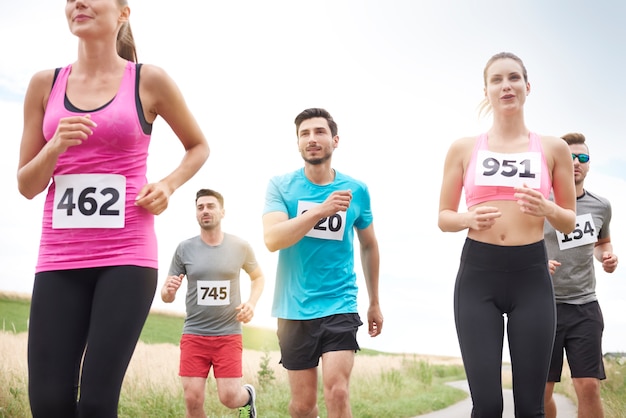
{"x":89,"y":201}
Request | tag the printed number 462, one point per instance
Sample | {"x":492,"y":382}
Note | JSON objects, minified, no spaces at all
{"x":87,"y":205}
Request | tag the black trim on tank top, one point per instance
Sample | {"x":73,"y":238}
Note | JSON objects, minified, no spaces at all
{"x":145,"y":126}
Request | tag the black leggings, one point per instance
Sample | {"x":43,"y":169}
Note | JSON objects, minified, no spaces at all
{"x":492,"y":281}
{"x":98,"y":312}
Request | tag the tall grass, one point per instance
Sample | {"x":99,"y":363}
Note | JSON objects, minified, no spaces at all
{"x":383,"y":385}
{"x":390,"y":386}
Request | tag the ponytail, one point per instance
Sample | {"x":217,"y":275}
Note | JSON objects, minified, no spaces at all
{"x":126,"y":43}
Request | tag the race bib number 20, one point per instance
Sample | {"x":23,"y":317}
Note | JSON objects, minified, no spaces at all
{"x":89,"y":201}
{"x":331,"y":227}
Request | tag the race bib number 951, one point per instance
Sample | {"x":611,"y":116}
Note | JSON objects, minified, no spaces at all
{"x":89,"y":201}
{"x":510,"y":170}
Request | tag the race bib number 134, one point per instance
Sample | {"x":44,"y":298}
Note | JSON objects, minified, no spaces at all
{"x":89,"y":201}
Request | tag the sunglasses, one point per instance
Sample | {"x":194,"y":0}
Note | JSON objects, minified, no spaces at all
{"x":583,"y":158}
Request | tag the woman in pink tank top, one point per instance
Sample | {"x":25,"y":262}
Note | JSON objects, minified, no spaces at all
{"x":86,"y":136}
{"x":507,"y":174}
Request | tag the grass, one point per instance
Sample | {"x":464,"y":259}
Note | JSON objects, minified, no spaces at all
{"x":383,"y":385}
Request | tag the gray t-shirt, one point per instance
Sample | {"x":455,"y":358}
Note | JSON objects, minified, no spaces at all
{"x":213,"y":288}
{"x":575,"y":280}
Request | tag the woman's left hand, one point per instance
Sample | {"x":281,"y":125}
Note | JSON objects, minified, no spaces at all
{"x":154,"y":197}
{"x":533,"y":202}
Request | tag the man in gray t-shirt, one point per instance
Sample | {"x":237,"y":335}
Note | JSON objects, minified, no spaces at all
{"x":579,"y":319}
{"x":212,"y":334}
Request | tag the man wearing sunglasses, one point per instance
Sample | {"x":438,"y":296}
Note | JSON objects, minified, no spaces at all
{"x":579,"y":318}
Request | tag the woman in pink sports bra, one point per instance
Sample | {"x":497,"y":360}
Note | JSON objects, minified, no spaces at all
{"x":507,"y":175}
{"x":87,"y":129}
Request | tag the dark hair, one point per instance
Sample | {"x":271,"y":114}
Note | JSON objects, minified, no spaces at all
{"x":484,"y":107}
{"x":575,"y":138}
{"x":125,"y":41}
{"x":209,"y":192}
{"x":316,"y":112}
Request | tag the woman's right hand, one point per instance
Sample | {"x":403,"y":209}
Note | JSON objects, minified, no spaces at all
{"x":483,"y":217}
{"x":71,"y":131}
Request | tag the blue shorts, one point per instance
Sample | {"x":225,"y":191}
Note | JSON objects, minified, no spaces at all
{"x":302,"y":342}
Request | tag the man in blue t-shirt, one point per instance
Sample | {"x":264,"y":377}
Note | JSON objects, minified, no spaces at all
{"x":311,"y":215}
{"x":579,"y":319}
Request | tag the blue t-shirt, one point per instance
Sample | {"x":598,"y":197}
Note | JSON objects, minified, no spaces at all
{"x":315,"y":277}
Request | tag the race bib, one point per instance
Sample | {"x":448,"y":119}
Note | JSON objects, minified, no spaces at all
{"x":584,"y":233}
{"x":89,"y":201}
{"x":331,"y":227}
{"x":509,"y":170}
{"x":213,"y":292}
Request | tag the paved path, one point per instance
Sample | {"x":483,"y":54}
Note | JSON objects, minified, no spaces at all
{"x":565,"y":407}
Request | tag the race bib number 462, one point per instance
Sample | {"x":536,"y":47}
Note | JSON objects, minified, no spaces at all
{"x":89,"y":201}
{"x":510,"y":170}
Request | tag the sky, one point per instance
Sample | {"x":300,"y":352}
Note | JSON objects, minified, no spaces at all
{"x":402,"y":78}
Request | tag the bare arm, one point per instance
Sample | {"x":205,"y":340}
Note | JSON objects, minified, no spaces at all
{"x":562,"y":215}
{"x":450,"y":219}
{"x":281,"y":232}
{"x":603,"y":251}
{"x":370,"y":262}
{"x":170,"y":287}
{"x":257,"y":283}
{"x":38,"y":158}
{"x":161,"y":96}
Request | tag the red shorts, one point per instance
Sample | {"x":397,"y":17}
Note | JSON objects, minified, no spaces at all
{"x":198,"y":353}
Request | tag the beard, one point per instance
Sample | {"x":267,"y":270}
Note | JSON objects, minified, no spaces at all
{"x":317,"y":160}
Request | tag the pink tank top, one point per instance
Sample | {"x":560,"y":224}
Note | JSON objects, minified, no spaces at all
{"x":492,"y":176}
{"x":90,"y":219}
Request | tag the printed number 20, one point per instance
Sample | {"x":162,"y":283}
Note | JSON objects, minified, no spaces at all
{"x":88,"y":205}
{"x":334,"y":223}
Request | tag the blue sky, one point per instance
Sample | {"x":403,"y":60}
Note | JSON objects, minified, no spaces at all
{"x":403,"y":80}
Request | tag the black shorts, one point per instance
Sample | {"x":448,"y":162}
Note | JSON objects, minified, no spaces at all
{"x":302,"y":342}
{"x":578,"y":333}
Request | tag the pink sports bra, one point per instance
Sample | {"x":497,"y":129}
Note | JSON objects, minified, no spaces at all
{"x":493,"y":176}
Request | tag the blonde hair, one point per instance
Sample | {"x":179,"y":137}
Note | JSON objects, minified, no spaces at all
{"x":484,"y":108}
{"x":125,"y":41}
